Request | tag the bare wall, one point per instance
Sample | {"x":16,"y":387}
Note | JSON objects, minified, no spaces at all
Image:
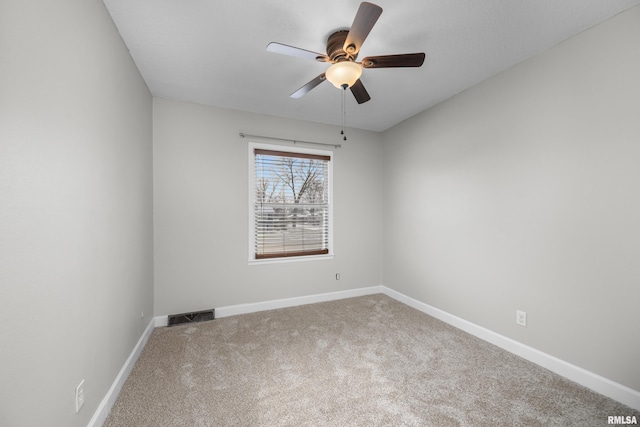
{"x":76,"y":266}
{"x":522,"y":193}
{"x":201,"y":210}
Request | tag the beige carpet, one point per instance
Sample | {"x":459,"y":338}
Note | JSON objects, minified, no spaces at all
{"x":366,"y":361}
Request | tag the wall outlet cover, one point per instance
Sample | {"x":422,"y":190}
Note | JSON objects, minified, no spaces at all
{"x":79,"y":396}
{"x":521,"y":318}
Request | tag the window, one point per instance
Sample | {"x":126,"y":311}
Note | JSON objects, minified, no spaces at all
{"x":290,"y":202}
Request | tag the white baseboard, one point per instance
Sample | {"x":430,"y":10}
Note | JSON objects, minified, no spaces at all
{"x":100,"y":416}
{"x":232,"y":310}
{"x":161,"y":321}
{"x":595,"y":382}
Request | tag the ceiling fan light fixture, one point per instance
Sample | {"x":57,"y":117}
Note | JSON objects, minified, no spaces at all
{"x":344,"y":73}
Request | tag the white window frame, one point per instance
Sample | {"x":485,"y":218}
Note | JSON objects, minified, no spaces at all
{"x":252,"y":194}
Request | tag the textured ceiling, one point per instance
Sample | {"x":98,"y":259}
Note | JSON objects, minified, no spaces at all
{"x":213,"y":52}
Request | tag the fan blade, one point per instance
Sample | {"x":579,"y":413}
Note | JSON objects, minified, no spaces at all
{"x":306,"y":88}
{"x":284,"y":49}
{"x":366,"y":17}
{"x":359,"y":92}
{"x":390,"y":61}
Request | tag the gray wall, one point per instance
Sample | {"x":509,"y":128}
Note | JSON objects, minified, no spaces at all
{"x":523,"y":193}
{"x":201,"y":219}
{"x":75,"y":209}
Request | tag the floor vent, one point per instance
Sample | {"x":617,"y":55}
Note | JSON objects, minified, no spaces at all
{"x":196,"y":316}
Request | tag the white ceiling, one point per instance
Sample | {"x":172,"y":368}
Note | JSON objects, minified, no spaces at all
{"x":213,"y":52}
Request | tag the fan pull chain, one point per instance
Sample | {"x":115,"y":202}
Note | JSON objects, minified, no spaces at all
{"x":344,"y":112}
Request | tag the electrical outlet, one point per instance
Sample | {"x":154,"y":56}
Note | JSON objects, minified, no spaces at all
{"x":79,"y":396}
{"x":142,"y":315}
{"x":337,"y":276}
{"x":521,"y":318}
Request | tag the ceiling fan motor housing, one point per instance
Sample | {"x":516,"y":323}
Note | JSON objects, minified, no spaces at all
{"x":335,"y":47}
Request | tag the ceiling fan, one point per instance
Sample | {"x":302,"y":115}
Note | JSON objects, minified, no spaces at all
{"x":343,"y":47}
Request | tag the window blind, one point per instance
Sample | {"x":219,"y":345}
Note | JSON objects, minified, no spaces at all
{"x":291,"y":204}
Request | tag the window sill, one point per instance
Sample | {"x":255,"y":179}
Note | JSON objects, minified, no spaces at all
{"x":290,"y":259}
